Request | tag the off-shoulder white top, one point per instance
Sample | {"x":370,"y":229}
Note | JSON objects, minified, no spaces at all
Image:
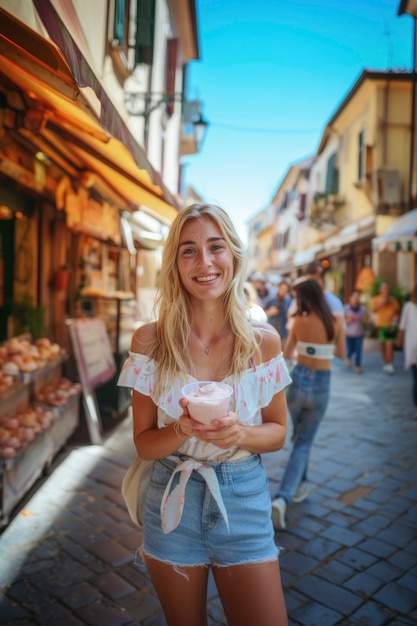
{"x":253,"y":391}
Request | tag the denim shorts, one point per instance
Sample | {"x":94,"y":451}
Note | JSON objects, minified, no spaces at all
{"x":202,"y":536}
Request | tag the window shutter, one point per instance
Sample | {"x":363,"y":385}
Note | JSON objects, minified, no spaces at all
{"x":171,"y":69}
{"x":361,"y":159}
{"x":119,"y":18}
{"x":332,"y":176}
{"x":145,"y":30}
{"x":302,"y":206}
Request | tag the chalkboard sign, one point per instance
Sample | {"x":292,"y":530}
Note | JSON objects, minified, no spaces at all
{"x":95,"y":363}
{"x":92,"y":350}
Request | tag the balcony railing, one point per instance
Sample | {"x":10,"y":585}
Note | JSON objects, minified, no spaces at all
{"x":327,"y":211}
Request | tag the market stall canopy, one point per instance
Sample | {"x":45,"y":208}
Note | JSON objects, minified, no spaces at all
{"x":304,"y":257}
{"x":143,"y":231}
{"x":402,"y":235}
{"x":44,"y":106}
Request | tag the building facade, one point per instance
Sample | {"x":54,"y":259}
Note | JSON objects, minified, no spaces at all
{"x":352,"y":191}
{"x":94,"y":122}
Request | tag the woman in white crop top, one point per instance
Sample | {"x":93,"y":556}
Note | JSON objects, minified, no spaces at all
{"x":318,"y":336}
{"x":208,"y":503}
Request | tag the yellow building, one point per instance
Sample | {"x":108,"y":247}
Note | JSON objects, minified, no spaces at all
{"x":360,"y":177}
{"x":259,"y":240}
{"x":355,"y":188}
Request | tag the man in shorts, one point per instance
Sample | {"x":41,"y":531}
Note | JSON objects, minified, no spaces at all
{"x":386,"y":310}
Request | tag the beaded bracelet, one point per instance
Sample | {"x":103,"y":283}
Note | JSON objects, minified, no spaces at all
{"x":179,"y":432}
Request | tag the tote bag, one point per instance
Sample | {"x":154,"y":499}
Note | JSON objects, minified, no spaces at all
{"x":134,"y":487}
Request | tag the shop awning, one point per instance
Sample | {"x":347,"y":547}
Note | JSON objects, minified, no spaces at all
{"x":119,"y":173}
{"x":402,"y":235}
{"x":304,"y":257}
{"x":76,"y":53}
{"x":50,"y":102}
{"x":405,"y":244}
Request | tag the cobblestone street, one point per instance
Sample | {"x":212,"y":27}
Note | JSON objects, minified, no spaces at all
{"x":350,"y":549}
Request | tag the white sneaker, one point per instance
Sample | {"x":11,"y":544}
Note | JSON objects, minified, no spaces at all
{"x":279,"y":507}
{"x":302,"y":492}
{"x":389,"y":368}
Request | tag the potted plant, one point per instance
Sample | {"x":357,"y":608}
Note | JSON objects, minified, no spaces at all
{"x":28,"y":317}
{"x":61,"y":277}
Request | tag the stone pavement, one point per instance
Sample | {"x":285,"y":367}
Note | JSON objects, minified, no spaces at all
{"x":350,"y":549}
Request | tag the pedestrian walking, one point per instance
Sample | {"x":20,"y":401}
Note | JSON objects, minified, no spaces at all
{"x":255,"y":310}
{"x":317,"y":271}
{"x":386,"y":311}
{"x":258,"y":282}
{"x":355,"y":316}
{"x":407,"y":339}
{"x":276,"y":309}
{"x":318,"y":335}
{"x":208,"y":502}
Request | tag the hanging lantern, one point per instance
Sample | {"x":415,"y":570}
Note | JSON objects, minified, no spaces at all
{"x":365,"y":279}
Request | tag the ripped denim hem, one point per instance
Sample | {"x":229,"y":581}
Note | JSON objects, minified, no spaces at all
{"x":141,"y":553}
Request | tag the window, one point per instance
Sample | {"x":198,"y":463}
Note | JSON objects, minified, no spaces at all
{"x":171,"y":69}
{"x":121,"y":25}
{"x":332,"y":176}
{"x":145,"y":28}
{"x":302,"y":206}
{"x":257,"y":227}
{"x":361,"y":155}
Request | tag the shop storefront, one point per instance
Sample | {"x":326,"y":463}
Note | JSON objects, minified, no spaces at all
{"x":347,"y":254}
{"x":65,"y":250}
{"x":395,"y":252}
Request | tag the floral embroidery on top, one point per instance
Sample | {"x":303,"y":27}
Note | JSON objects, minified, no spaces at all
{"x":253,"y":391}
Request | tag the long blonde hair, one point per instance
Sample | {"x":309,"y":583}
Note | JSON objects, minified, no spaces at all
{"x":169,"y":349}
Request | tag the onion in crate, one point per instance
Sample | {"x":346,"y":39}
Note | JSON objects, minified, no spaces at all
{"x":11,"y":368}
{"x":8,"y":452}
{"x":9,"y":422}
{"x":15,"y":346}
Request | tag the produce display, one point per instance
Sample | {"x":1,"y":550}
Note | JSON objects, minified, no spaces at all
{"x":17,"y":430}
{"x":39,"y":411}
{"x":19,"y":357}
{"x":57,"y":395}
{"x":21,"y":363}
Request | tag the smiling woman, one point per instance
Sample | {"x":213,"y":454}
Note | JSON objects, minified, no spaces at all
{"x":204,"y":264}
{"x":208,"y":503}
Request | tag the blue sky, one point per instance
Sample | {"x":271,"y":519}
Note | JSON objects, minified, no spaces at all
{"x":271,"y":74}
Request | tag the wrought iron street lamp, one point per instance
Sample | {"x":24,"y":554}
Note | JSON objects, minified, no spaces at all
{"x":410,"y":7}
{"x":144,"y":103}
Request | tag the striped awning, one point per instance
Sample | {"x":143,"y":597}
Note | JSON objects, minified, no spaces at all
{"x":401,"y":236}
{"x":56,"y":116}
{"x":396,"y":244}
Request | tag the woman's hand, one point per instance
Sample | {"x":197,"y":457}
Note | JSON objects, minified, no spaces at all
{"x":185,"y":421}
{"x":223,"y":432}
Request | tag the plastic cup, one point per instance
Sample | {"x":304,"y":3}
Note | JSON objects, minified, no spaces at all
{"x":208,"y":400}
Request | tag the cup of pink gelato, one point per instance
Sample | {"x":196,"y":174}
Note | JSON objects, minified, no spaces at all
{"x":207,"y":400}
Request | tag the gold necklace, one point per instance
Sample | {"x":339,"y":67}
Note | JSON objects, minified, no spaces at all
{"x":207,"y":349}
